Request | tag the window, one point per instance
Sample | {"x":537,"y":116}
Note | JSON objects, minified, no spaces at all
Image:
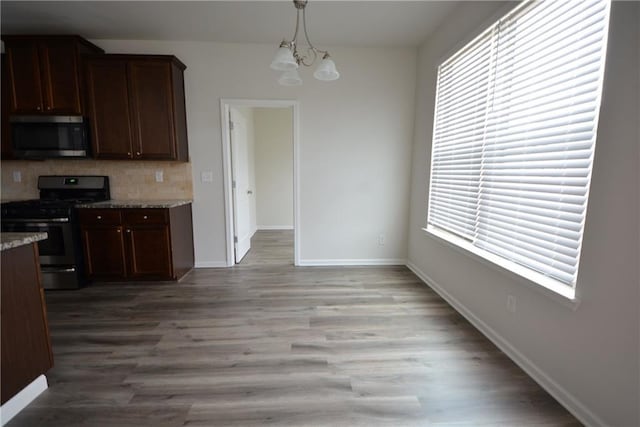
{"x":514,"y":136}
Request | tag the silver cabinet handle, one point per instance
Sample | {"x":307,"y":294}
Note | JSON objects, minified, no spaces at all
{"x":145,"y":217}
{"x":119,"y":230}
{"x":99,"y":217}
{"x":128,"y":231}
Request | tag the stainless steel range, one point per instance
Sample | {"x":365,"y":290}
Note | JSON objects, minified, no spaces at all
{"x":61,"y":259}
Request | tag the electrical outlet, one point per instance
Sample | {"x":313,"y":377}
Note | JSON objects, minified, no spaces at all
{"x":206,"y":176}
{"x":381,"y":240}
{"x":159,"y":176}
{"x":17,"y":176}
{"x":511,"y":303}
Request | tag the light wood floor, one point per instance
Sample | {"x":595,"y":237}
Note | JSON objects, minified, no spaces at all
{"x":270,"y":247}
{"x":278,"y":345}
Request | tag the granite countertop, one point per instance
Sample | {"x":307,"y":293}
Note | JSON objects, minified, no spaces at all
{"x":137,"y":204}
{"x":16,"y":200}
{"x":14,"y":240}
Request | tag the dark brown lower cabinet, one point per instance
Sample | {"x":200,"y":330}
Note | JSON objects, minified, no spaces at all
{"x":150,"y":251}
{"x":137,"y":244}
{"x":26,"y":346}
{"x":104,"y":251}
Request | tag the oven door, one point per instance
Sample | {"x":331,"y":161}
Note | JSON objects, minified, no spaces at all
{"x":57,"y":249}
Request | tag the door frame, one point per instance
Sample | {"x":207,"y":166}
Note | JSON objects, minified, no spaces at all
{"x":225,"y":104}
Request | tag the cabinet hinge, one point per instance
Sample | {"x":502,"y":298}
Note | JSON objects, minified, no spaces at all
{"x":233,"y":184}
{"x":235,"y":239}
{"x":231,"y":125}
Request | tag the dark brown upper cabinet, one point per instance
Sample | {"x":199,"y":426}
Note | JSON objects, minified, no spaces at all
{"x":136,"y":107}
{"x":5,"y":133}
{"x":108,"y":108}
{"x":45,"y":73}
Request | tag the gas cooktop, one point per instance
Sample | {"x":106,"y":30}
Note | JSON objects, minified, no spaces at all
{"x":39,"y":208}
{"x":58,"y":196}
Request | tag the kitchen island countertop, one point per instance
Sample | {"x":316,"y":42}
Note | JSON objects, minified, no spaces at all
{"x":15,"y":240}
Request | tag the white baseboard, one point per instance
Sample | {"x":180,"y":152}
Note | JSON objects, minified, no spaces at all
{"x":17,"y":403}
{"x":566,"y":399}
{"x":340,"y":262}
{"x":210,"y":264}
{"x":275,"y":227}
{"x":316,"y":262}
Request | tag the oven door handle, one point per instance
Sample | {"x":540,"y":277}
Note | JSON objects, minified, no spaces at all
{"x":35,"y":221}
{"x":46,"y":269}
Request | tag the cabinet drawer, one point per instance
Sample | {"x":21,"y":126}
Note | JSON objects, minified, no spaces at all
{"x":100,"y":216}
{"x":145,"y":216}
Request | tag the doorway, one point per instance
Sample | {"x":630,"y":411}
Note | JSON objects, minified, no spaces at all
{"x":260,"y":159}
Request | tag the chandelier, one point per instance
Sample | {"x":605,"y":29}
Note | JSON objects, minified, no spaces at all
{"x":288,"y":57}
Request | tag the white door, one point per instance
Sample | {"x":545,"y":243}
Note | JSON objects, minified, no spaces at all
{"x":241,"y":190}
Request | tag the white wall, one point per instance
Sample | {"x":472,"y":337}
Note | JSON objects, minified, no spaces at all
{"x":355,"y":142}
{"x":588,"y":356}
{"x":248,"y":114}
{"x":274,"y":167}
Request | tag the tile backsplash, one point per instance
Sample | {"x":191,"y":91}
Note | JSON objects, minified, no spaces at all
{"x":129,"y":179}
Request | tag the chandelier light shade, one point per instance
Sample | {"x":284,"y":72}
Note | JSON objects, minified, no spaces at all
{"x":284,"y":60}
{"x":290,"y":78}
{"x":290,"y":56}
{"x":326,"y":70}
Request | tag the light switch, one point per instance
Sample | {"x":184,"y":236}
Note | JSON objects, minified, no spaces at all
{"x":17,"y":176}
{"x":159,"y":176}
{"x":206,"y":176}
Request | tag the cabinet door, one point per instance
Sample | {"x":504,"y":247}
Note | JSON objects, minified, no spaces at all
{"x":152,"y":107}
{"x":59,"y":70}
{"x":24,"y":77}
{"x":149,"y":251}
{"x":7,"y":150}
{"x":108,"y":99}
{"x":104,"y":252}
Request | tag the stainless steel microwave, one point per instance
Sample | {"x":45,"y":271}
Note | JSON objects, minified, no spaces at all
{"x":48,"y":137}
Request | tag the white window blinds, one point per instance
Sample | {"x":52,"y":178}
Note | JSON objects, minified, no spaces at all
{"x":514,"y":136}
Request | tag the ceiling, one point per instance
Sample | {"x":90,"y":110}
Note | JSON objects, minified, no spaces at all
{"x":342,"y":23}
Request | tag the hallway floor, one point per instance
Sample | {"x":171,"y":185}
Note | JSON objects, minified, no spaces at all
{"x":270,"y":247}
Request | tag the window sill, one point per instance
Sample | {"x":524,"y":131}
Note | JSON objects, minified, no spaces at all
{"x":556,"y":291}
